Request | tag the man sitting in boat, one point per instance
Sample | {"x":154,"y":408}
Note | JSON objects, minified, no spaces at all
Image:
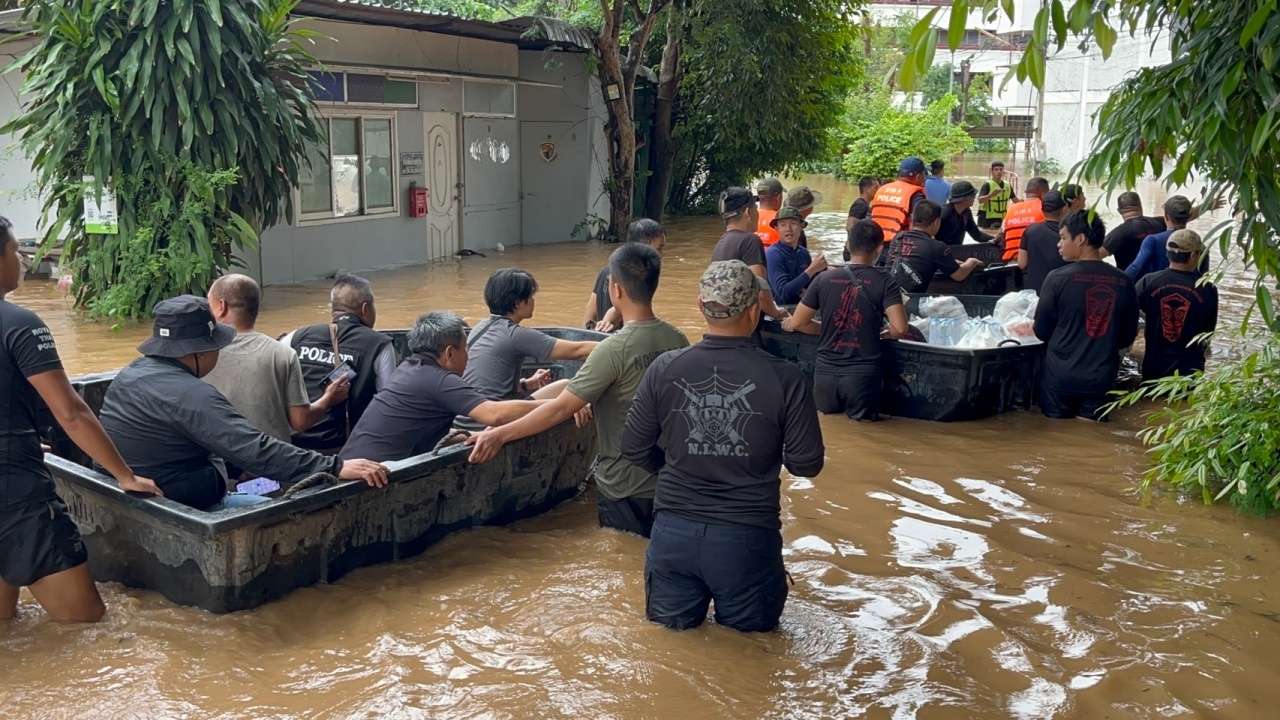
{"x":417,"y":406}
{"x":498,"y":345}
{"x":608,"y":381}
{"x":852,"y":302}
{"x":350,"y":340}
{"x":915,"y":256}
{"x":173,"y":427}
{"x":715,"y":422}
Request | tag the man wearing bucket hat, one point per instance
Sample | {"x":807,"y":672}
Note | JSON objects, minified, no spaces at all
{"x":957,"y":215}
{"x":715,"y":422}
{"x":1178,"y":308}
{"x":805,"y":200}
{"x":181,"y":431}
{"x":790,"y":266}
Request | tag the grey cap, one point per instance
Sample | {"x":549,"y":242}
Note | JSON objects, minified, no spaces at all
{"x":1178,"y":208}
{"x":769,"y":187}
{"x":727,"y":289}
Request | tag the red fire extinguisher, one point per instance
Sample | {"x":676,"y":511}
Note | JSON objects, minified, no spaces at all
{"x":419,"y":199}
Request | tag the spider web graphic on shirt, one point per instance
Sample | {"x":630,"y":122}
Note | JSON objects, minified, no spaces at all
{"x":717,"y":412}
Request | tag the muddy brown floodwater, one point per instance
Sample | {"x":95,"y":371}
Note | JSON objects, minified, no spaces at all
{"x":1008,"y":568}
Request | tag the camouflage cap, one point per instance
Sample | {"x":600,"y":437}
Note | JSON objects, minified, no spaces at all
{"x":788,"y":213}
{"x":727,"y":289}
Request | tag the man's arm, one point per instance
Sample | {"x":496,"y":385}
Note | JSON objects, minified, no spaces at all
{"x":802,"y":321}
{"x":965,"y":269}
{"x":985,"y":192}
{"x":568,"y":350}
{"x":1023,"y":257}
{"x":803,"y":452}
{"x":384,"y":365}
{"x":589,"y":317}
{"x":898,"y":325}
{"x":1046,"y":319}
{"x":1138,"y":267}
{"x":767,"y":305}
{"x":641,"y":432}
{"x":1129,"y":322}
{"x":546,"y":415}
{"x":82,"y":426}
{"x":495,"y":412}
{"x":303,"y":415}
{"x":212,"y":423}
{"x":611,"y":321}
{"x":971,"y":227}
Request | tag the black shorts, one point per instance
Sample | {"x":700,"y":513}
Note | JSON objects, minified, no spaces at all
{"x":38,"y":540}
{"x":689,"y":564}
{"x":1064,"y":406}
{"x":856,"y":395}
{"x":633,"y":514}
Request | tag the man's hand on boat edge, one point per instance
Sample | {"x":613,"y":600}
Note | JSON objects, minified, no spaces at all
{"x":372,"y":473}
{"x":134,"y":483}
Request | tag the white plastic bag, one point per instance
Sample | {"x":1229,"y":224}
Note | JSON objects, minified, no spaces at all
{"x":1019,"y":327}
{"x":1022,"y":302}
{"x":923,"y":325}
{"x":985,"y":333}
{"x":943,"y":306}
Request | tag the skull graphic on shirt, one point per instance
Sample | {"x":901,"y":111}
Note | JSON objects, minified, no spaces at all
{"x":1099,"y":306}
{"x":1173,"y":316}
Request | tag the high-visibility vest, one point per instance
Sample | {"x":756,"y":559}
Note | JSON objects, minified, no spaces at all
{"x":998,"y":204}
{"x":767,"y":234}
{"x":891,"y":207}
{"x":1016,"y":221}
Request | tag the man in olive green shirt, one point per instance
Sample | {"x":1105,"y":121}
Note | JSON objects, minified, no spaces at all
{"x":608,"y":381}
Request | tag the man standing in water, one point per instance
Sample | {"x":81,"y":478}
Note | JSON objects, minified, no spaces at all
{"x":601,"y":315}
{"x":740,"y":242}
{"x":771,"y":194}
{"x":1087,"y":314}
{"x":994,"y":198}
{"x":894,"y":202}
{"x":40,"y":546}
{"x":1038,"y":256}
{"x":608,"y":381}
{"x":1022,"y":215}
{"x":715,"y":422}
{"x":1178,"y":308}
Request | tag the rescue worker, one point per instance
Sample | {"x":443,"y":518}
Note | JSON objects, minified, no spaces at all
{"x":994,"y":198}
{"x":1021,"y":215}
{"x":771,"y":194}
{"x":892,"y":206}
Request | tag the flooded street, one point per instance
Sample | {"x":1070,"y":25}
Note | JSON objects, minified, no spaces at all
{"x":1008,"y":568}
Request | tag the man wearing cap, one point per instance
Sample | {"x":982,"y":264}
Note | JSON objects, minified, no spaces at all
{"x":181,"y":431}
{"x":1153,"y":255}
{"x":1125,"y":240}
{"x":914,"y":256}
{"x":805,"y":200}
{"x":715,"y":422}
{"x":1038,"y":256}
{"x":994,"y":198}
{"x":741,"y":216}
{"x":771,"y":193}
{"x":1178,"y":308}
{"x":894,"y":202}
{"x":1086,"y":315}
{"x":40,"y":545}
{"x":936,"y":188}
{"x":791,"y":268}
{"x":957,"y":216}
{"x":1022,"y":215}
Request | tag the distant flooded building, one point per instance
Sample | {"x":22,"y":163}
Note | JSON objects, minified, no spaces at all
{"x":504,"y":136}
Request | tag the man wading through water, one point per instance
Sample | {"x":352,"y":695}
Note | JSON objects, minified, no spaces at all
{"x":608,"y":380}
{"x":715,"y":422}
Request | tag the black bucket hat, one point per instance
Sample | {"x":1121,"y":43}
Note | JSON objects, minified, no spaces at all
{"x":185,"y":325}
{"x":962,"y":190}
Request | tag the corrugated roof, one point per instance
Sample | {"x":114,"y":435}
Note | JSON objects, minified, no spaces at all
{"x":529,"y":33}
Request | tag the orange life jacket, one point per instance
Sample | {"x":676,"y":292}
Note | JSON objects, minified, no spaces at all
{"x":767,"y":234}
{"x":891,"y":207}
{"x":1016,"y":220}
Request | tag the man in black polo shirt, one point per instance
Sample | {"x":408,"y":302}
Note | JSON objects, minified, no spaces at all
{"x":740,"y":242}
{"x":914,"y":256}
{"x":715,"y":422}
{"x":349,"y":338}
{"x":957,"y":216}
{"x":1087,"y":314}
{"x":1038,"y":254}
{"x":416,"y":407}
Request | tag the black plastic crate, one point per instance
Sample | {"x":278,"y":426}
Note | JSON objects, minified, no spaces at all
{"x":998,"y":280}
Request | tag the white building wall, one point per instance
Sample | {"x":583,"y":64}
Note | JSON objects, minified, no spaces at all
{"x":18,"y":200}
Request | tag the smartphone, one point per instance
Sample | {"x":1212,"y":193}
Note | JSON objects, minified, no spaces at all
{"x":338,"y":372}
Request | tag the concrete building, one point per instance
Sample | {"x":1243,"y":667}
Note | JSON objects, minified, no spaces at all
{"x":505,"y":137}
{"x":1076,"y":83}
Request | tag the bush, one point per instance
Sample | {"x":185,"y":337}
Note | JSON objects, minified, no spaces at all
{"x":1219,"y":435}
{"x":877,"y":135}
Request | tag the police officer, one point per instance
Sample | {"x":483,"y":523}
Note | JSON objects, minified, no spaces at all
{"x":715,"y":422}
{"x":349,"y":339}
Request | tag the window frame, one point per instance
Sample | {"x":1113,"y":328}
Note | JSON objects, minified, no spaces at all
{"x":515,"y":98}
{"x":366,"y":213}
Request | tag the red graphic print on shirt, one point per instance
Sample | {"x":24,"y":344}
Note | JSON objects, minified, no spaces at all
{"x":1173,"y":316}
{"x":1099,"y":306}
{"x":848,"y":318}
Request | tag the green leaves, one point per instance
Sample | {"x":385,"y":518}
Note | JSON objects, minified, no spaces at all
{"x":1256,"y":21}
{"x":958,"y":24}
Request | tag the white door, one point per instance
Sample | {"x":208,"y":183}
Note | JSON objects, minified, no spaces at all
{"x":441,"y":143}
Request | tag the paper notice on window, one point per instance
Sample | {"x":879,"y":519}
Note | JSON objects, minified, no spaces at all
{"x":99,"y":214}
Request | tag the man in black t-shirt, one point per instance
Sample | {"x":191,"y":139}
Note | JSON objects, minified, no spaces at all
{"x":957,"y":216}
{"x":914,"y":256}
{"x":715,"y":422}
{"x":1125,"y":239}
{"x":1038,"y":253}
{"x":852,"y":302}
{"x":40,"y":546}
{"x":1087,"y":314}
{"x":1178,"y":308}
{"x":600,"y":315}
{"x":867,"y":187}
{"x":740,"y":242}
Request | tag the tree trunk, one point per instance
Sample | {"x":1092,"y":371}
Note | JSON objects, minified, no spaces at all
{"x":662,"y":149}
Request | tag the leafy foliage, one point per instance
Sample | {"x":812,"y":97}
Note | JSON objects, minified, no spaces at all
{"x":158,"y":99}
{"x":938,"y":82}
{"x":877,"y":134}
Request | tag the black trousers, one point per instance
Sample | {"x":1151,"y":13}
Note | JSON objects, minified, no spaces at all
{"x":854,"y":394}
{"x":1065,"y":405}
{"x":689,"y":564}
{"x":633,"y":514}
